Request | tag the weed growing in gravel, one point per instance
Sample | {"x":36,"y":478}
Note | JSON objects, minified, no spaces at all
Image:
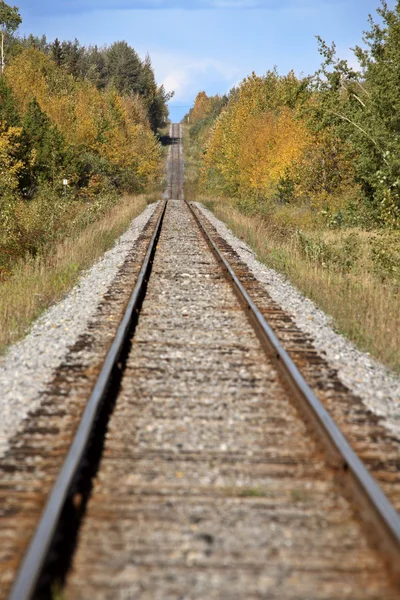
{"x":253,"y":493}
{"x":257,"y":492}
{"x":299,"y":495}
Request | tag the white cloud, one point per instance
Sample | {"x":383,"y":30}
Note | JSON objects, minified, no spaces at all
{"x":186,"y":75}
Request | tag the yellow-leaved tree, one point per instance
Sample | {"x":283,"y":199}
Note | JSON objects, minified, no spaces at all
{"x":257,"y":138}
{"x":261,"y":149}
{"x":113,"y":127}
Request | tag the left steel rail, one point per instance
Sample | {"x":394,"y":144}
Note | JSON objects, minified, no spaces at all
{"x":34,"y":560}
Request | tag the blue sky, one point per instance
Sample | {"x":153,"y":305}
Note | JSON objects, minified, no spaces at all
{"x":206,"y":44}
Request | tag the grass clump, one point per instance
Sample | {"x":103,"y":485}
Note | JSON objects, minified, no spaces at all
{"x":253,"y":493}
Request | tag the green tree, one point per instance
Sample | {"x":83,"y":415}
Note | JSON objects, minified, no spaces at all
{"x":10,"y":20}
{"x":129,"y":75}
{"x":72,"y":56}
{"x":124,"y":68}
{"x":362,"y":107}
{"x":57,"y":52}
{"x":8,"y":112}
{"x":155,"y":97}
{"x":34,"y":41}
{"x":94,"y":67}
{"x":49,"y":147}
{"x":380,"y":63}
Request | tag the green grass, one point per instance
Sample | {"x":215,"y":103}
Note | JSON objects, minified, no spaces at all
{"x":253,"y":493}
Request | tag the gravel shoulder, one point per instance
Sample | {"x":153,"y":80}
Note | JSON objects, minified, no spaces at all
{"x":376,"y":386}
{"x":28,"y":366}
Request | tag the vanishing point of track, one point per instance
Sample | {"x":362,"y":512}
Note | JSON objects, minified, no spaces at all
{"x":206,"y":481}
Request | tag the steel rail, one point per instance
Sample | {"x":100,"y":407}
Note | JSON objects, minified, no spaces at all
{"x":375,"y":507}
{"x":34,"y":560}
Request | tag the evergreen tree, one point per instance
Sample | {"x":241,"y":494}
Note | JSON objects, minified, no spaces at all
{"x":155,"y":97}
{"x":124,"y":68}
{"x":34,"y":41}
{"x":72,"y":57}
{"x":57,"y":52}
{"x":8,"y":111}
{"x":48,"y":144}
{"x":94,"y":67}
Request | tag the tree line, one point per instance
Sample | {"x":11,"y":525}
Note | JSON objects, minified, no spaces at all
{"x":327,"y":144}
{"x":87,"y":115}
{"x":117,"y":66}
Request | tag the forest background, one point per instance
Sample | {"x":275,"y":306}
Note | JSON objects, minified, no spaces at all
{"x":87,"y":116}
{"x":68,"y":112}
{"x":308,"y":171}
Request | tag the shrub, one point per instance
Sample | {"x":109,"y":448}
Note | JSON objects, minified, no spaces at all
{"x":385,"y":254}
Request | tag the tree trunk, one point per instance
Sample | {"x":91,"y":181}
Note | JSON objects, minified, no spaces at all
{"x":2,"y":51}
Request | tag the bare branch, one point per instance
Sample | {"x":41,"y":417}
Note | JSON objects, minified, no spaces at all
{"x":359,"y":99}
{"x":360,"y":129}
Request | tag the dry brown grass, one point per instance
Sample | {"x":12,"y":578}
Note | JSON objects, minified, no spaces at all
{"x":37,"y":283}
{"x":364,"y":308}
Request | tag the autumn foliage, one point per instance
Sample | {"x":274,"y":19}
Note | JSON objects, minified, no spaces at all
{"x":54,"y":126}
{"x":261,"y":149}
{"x":326,"y":145}
{"x":106,"y":124}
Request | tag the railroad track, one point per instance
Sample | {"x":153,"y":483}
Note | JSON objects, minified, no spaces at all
{"x":192,"y":473}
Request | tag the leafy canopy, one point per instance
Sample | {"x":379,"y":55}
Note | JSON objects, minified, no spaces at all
{"x":10,"y":19}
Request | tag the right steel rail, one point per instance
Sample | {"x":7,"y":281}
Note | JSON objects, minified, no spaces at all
{"x":375,"y":508}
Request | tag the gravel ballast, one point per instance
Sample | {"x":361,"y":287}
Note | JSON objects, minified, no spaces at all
{"x":28,"y":366}
{"x":378,"y":388}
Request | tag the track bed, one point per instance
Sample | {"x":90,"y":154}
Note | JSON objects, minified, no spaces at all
{"x":210,"y":485}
